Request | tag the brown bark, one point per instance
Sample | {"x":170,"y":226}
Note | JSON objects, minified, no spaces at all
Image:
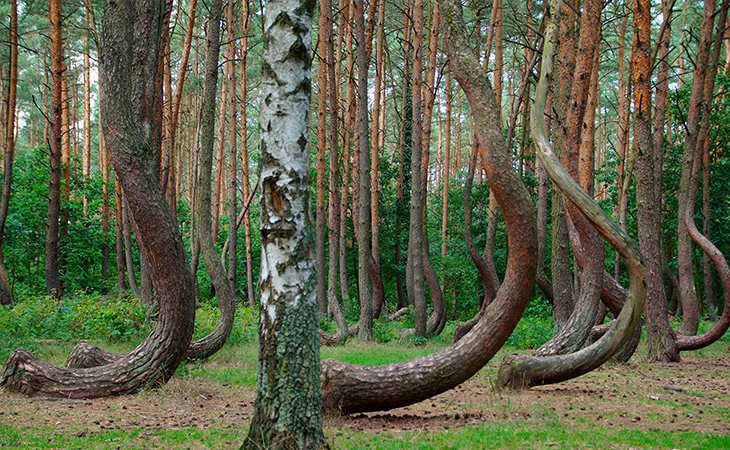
{"x":416,"y":242}
{"x":53,"y":277}
{"x":348,"y":118}
{"x":660,"y":342}
{"x":334,"y":185}
{"x":363,"y":188}
{"x":250,"y":283}
{"x":719,"y":329}
{"x":225,"y":292}
{"x":232,"y":241}
{"x":520,"y":371}
{"x":171,"y":180}
{"x":375,"y":138}
{"x":687,"y":292}
{"x":8,"y":150}
{"x":321,"y":287}
{"x":562,"y":275}
{"x":127,"y":84}
{"x":351,"y":388}
{"x":575,"y":157}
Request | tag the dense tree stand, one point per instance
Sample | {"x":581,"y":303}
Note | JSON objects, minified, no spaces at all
{"x":347,"y":388}
{"x":128,"y":87}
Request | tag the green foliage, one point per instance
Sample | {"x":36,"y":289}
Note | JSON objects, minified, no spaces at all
{"x":75,"y":318}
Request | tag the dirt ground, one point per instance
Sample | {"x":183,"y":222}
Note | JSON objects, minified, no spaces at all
{"x":691,"y":396}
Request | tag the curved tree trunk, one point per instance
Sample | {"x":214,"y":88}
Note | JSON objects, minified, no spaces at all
{"x":348,"y":388}
{"x":723,"y":270}
{"x":210,"y":344}
{"x":520,"y":371}
{"x":85,"y":355}
{"x":127,"y":86}
{"x":685,"y":255}
{"x":572,"y":334}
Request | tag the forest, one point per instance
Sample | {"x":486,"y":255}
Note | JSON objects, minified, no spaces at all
{"x":364,"y":224}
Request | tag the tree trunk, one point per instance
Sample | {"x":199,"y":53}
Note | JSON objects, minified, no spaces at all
{"x":376,"y":132}
{"x":245,"y":21}
{"x":52,"y":274}
{"x":570,"y":337}
{"x":416,"y":243}
{"x":660,"y":341}
{"x":128,"y":84}
{"x":446,"y":165}
{"x":232,"y":240}
{"x":351,"y":389}
{"x":210,"y":344}
{"x":170,"y":182}
{"x":524,"y":371}
{"x":363,"y":213}
{"x":687,"y":292}
{"x":719,"y":329}
{"x":334,"y":184}
{"x":6,"y":295}
{"x":287,"y":411}
{"x":321,"y":288}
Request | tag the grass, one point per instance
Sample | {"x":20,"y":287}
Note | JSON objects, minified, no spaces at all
{"x":513,"y":420}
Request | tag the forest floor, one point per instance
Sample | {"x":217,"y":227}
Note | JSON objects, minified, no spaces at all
{"x":208,"y":405}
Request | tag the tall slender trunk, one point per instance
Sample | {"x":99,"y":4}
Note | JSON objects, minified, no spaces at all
{"x":8,"y":152}
{"x":687,"y":292}
{"x":321,"y":287}
{"x":86,"y":150}
{"x":363,"y":217}
{"x":562,"y":275}
{"x":170,"y":182}
{"x":53,"y":277}
{"x":376,"y":132}
{"x":446,"y":165}
{"x":232,"y":148}
{"x":245,"y":21}
{"x":416,"y":243}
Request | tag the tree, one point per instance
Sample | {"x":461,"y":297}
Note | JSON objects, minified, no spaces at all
{"x":287,"y":411}
{"x":6,"y":297}
{"x":648,"y":195}
{"x":128,"y":86}
{"x":53,"y":276}
{"x":525,"y":371}
{"x":348,"y":388}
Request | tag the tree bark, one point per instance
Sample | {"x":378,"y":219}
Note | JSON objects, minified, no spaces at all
{"x":210,"y":344}
{"x":128,"y":85}
{"x":321,"y":288}
{"x":6,"y":295}
{"x":52,"y":274}
{"x":521,"y":371}
{"x":351,"y":389}
{"x":687,"y":292}
{"x":364,"y":240}
{"x":719,"y":329}
{"x":570,"y":337}
{"x":287,"y":411}
{"x":245,"y":21}
{"x":660,"y":341}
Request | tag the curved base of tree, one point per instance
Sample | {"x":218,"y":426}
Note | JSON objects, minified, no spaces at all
{"x":685,"y":343}
{"x":347,"y":388}
{"x":519,"y":372}
{"x":126,"y":106}
{"x":437,"y":320}
{"x":84,"y":356}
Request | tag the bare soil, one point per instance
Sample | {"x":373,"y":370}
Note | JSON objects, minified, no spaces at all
{"x":690,"y":396}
